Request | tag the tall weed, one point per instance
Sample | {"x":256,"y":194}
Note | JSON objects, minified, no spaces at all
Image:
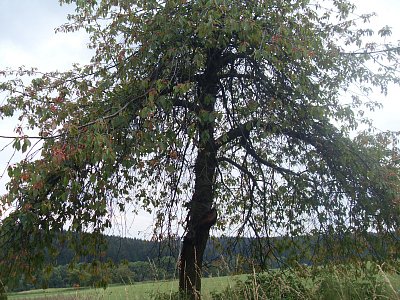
{"x":344,"y":282}
{"x":272,"y":285}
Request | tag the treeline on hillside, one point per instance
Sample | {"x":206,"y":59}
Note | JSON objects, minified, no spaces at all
{"x":129,"y":260}
{"x":82,"y":275}
{"x":123,"y":249}
{"x":120,"y":249}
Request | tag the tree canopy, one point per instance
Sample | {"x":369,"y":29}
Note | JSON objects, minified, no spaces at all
{"x":245,"y":109}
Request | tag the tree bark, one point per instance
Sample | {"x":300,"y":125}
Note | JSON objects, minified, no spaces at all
{"x":201,"y":218}
{"x":201,"y":215}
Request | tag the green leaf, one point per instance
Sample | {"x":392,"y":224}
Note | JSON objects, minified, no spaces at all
{"x":17,"y":144}
{"x":26,"y":144}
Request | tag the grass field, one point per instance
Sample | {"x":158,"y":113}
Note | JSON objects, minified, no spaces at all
{"x":134,"y":291}
{"x":146,"y":290}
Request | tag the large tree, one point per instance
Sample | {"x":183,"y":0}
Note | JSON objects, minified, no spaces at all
{"x":243,"y":109}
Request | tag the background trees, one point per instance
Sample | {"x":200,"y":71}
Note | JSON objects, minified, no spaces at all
{"x":208,"y":106}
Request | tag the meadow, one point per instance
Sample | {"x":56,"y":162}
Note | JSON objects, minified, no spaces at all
{"x":338,"y":283}
{"x":142,"y":290}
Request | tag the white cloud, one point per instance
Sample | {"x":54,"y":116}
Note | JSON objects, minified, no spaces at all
{"x":28,"y":37}
{"x":13,"y":56}
{"x":64,"y":50}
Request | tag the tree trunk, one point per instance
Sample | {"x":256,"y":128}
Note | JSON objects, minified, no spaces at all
{"x":201,"y":215}
{"x":201,"y":218}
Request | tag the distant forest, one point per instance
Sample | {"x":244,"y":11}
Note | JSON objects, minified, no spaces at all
{"x":128,"y":260}
{"x":120,"y":249}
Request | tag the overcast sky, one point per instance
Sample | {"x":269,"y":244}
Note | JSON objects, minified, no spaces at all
{"x":27,"y":38}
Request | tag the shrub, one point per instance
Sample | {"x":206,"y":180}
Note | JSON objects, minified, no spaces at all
{"x":347,"y":283}
{"x":272,"y":285}
{"x":340,"y":282}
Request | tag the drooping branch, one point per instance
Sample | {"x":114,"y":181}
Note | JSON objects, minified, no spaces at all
{"x":241,"y":131}
{"x":388,"y":50}
{"x":238,"y":166}
{"x":250,"y":150}
{"x":186,"y":104}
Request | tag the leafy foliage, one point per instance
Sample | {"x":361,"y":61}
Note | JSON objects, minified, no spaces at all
{"x":332,"y":282}
{"x":239,"y":105}
{"x":267,"y":286}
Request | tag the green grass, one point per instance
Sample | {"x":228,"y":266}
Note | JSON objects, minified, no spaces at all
{"x":145,"y":290}
{"x":142,"y":290}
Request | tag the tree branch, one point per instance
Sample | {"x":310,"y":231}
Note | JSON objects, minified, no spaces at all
{"x":250,"y":150}
{"x":186,"y":104}
{"x":237,"y":166}
{"x":242,"y":130}
{"x":396,"y":49}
